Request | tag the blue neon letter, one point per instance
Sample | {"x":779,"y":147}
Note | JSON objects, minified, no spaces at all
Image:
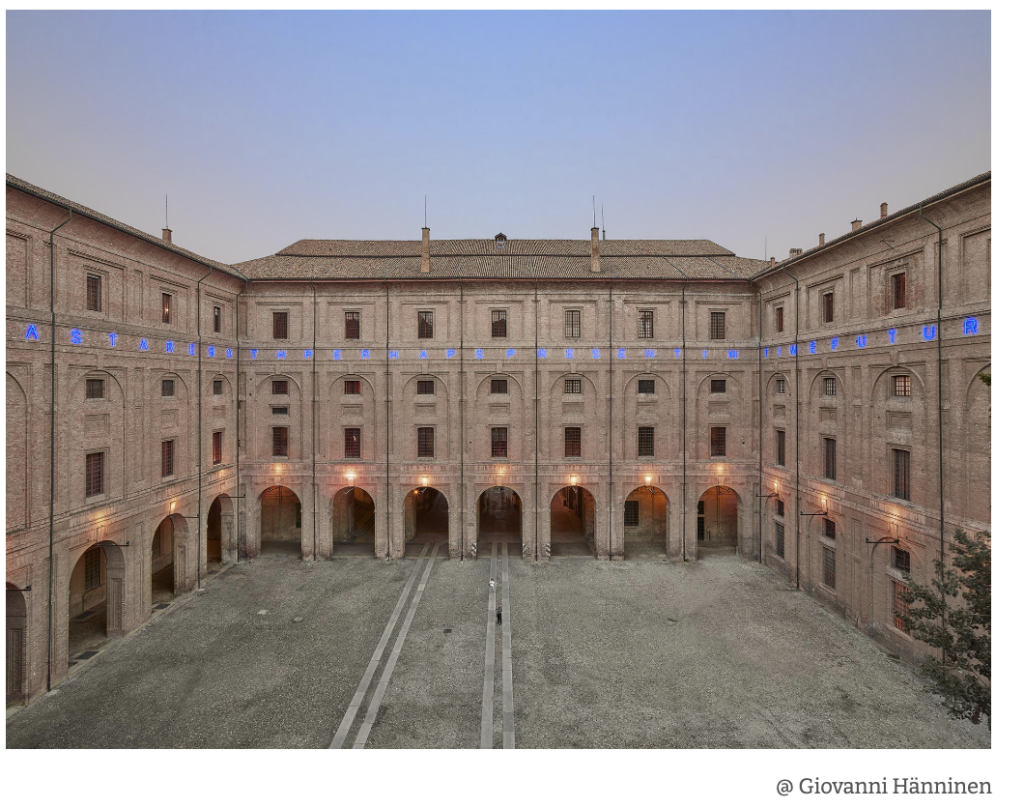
{"x":970,"y":326}
{"x":928,"y":332}
{"x":76,"y":336}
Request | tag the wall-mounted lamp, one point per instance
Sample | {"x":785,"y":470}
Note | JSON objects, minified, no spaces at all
{"x":573,"y":480}
{"x":648,"y":479}
{"x":424,"y":480}
{"x":351,"y":477}
{"x":277,"y":468}
{"x":822,"y":512}
{"x":173,"y":506}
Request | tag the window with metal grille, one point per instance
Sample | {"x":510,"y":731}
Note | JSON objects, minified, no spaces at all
{"x":165,"y":304}
{"x":718,"y":441}
{"x":280,"y":319}
{"x":780,"y":318}
{"x":901,"y":559}
{"x":92,"y":568}
{"x":780,"y":507}
{"x":280,"y":441}
{"x":718,"y":385}
{"x":572,"y":323}
{"x":780,"y":386}
{"x":499,"y":323}
{"x":278,"y":410}
{"x":353,"y":443}
{"x":92,"y":292}
{"x":218,"y":448}
{"x":298,"y":514}
{"x":424,"y":387}
{"x":352,"y":387}
{"x":901,"y":474}
{"x":573,"y":386}
{"x":900,"y":608}
{"x":573,"y":441}
{"x":499,"y":441}
{"x":216,"y":319}
{"x":425,"y":324}
{"x":828,"y":567}
{"x":631,"y":515}
{"x":780,"y":447}
{"x":218,"y":387}
{"x":279,"y":387}
{"x":827,"y":309}
{"x":94,"y":474}
{"x":167,"y":387}
{"x":645,"y":441}
{"x":351,"y":325}
{"x":645,"y":386}
{"x":780,"y":539}
{"x":829,"y":528}
{"x":717,"y":325}
{"x":167,"y":458}
{"x":645,"y":324}
{"x":829,"y":385}
{"x":499,"y":387}
{"x":899,"y":290}
{"x":425,"y":441}
{"x":94,"y":388}
{"x":901,"y":386}
{"x":829,"y":458}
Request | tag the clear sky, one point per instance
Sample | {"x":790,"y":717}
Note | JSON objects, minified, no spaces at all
{"x":265,"y":128}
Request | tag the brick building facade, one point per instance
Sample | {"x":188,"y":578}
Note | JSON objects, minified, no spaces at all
{"x":614,"y":398}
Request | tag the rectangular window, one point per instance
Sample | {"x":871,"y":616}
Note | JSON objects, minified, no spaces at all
{"x":780,"y":386}
{"x":167,"y":458}
{"x":92,"y":292}
{"x":901,"y":386}
{"x":780,"y":507}
{"x":499,"y":323}
{"x":645,"y":325}
{"x":780,"y":540}
{"x":280,"y":325}
{"x":718,"y":441}
{"x":165,"y":307}
{"x":631,"y":516}
{"x":94,"y":474}
{"x":353,"y":443}
{"x":352,"y":387}
{"x":829,"y":527}
{"x":218,"y":387}
{"x":280,"y":435}
{"x":279,"y":387}
{"x":780,"y":447}
{"x":827,"y":308}
{"x":718,"y":385}
{"x":351,"y":325}
{"x":167,"y":387}
{"x":216,"y":319}
{"x":298,"y":514}
{"x":717,"y":330}
{"x":901,"y":474}
{"x":645,"y":386}
{"x":573,"y":441}
{"x":499,"y":441}
{"x":424,"y":387}
{"x":780,"y":318}
{"x":901,"y":559}
{"x":829,"y":385}
{"x":92,"y":568}
{"x":425,"y":324}
{"x":829,"y":452}
{"x":278,"y":410}
{"x":218,"y":448}
{"x":499,"y":387}
{"x":645,"y":441}
{"x":572,"y":323}
{"x":899,"y":290}
{"x":94,"y":388}
{"x":573,"y":387}
{"x":900,"y":607}
{"x":828,"y":567}
{"x":425,"y":441}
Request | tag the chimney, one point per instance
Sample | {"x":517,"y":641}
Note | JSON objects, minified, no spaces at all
{"x":821,"y":239}
{"x":167,"y":235}
{"x":794,"y":252}
{"x":855,"y":225}
{"x":425,"y":255}
{"x":595,"y":250}
{"x":773,"y":262}
{"x":885,"y":209}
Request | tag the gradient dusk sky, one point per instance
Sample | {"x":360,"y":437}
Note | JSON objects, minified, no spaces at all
{"x":265,"y":128}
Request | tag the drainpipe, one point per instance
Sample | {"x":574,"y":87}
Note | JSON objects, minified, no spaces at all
{"x":313,"y":418}
{"x":53,"y":424}
{"x":796,"y":396}
{"x":462,"y":436}
{"x":238,"y":434}
{"x":682,"y":399}
{"x":199,"y":400}
{"x":760,"y":431}
{"x":387,"y":417}
{"x":611,"y":394}
{"x":536,"y":421}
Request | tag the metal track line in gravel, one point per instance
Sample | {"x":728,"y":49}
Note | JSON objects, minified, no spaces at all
{"x":507,"y":709}
{"x":364,"y":683}
{"x":487,"y":708}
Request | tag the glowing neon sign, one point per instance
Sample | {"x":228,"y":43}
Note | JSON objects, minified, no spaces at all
{"x":862,"y":341}
{"x":32,"y":332}
{"x":835,"y":343}
{"x":212,"y":352}
{"x":192,"y":349}
{"x":892,"y":336}
{"x":228,"y":353}
{"x":423,"y":355}
{"x":970,"y":326}
{"x":812,"y":346}
{"x":792,"y":350}
{"x":392,"y":354}
{"x":76,"y":336}
{"x":622,"y":353}
{"x":510,"y":353}
{"x":169,"y":346}
{"x":928,"y":333}
{"x":478,"y":353}
{"x":734,"y":354}
{"x":282,"y":354}
{"x":113,"y":339}
{"x":337,"y":353}
{"x":649,"y":353}
{"x":143,"y":344}
{"x":595,"y":353}
{"x":253,"y":351}
{"x":542,"y":353}
{"x":364,"y":354}
{"x":450,"y":353}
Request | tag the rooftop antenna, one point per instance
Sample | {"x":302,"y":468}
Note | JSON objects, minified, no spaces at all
{"x":604,"y":235}
{"x":766,"y":247}
{"x":424,"y":210}
{"x":166,"y":220}
{"x":593,"y":202}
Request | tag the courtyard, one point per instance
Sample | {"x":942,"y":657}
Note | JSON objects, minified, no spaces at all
{"x":357,"y":652}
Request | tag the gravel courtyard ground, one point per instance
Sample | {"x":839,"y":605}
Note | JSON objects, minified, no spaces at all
{"x":645,"y":653}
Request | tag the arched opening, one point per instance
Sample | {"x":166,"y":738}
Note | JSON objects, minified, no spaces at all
{"x":573,"y":522}
{"x":95,"y":599}
{"x":163,"y":562}
{"x":353,"y":522}
{"x":499,"y":518}
{"x":718,"y":519}
{"x":645,"y":522}
{"x":280,"y":522}
{"x":218,"y":532}
{"x":17,"y":646}
{"x":426,"y":516}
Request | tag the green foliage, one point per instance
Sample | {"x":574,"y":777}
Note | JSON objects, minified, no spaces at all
{"x":986,"y":378}
{"x":962,"y":675}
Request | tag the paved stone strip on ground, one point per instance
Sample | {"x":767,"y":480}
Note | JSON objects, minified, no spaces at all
{"x":382,"y":685}
{"x":487,"y":709}
{"x":507,"y":709}
{"x":371,"y":668}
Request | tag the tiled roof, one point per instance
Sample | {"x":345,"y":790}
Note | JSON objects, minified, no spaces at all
{"x":332,"y":248}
